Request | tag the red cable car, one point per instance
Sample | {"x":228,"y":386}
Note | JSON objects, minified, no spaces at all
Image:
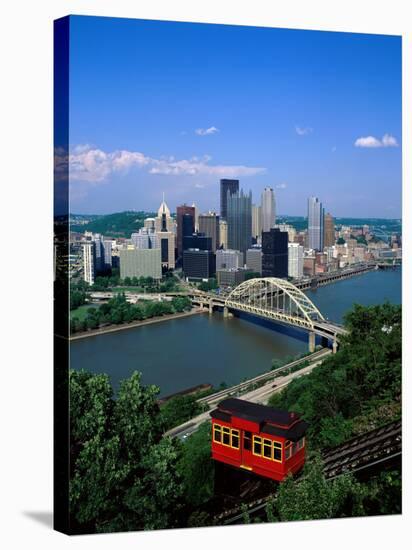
{"x":266,"y":441}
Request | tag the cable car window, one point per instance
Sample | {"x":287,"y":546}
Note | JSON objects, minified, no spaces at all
{"x":257,"y":445}
{"x":247,"y":441}
{"x":288,"y":452}
{"x":267,"y":448}
{"x":301,"y":443}
{"x":235,"y":439}
{"x":277,"y":451}
{"x":226,"y":436}
{"x":217,"y":433}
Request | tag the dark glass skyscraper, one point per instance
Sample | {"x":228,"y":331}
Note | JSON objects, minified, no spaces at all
{"x":275,"y":253}
{"x":186,"y":226}
{"x":239,"y":221}
{"x":197,"y":240}
{"x":227,"y":186}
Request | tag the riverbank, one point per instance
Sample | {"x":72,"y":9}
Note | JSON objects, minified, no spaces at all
{"x":135,"y":324}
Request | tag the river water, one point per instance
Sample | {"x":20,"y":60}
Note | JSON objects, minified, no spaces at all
{"x":182,"y":353}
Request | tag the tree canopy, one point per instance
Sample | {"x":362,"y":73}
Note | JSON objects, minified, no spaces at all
{"x":124,"y":475}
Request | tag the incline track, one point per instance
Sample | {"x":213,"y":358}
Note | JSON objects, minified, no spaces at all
{"x":364,"y":450}
{"x":361,"y":452}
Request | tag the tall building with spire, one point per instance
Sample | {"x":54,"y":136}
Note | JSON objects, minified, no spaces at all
{"x":268,"y":209}
{"x":164,"y":229}
{"x":164,"y":220}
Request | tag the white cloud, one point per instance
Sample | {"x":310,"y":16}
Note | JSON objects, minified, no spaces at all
{"x":282,"y":185}
{"x":389,"y":141}
{"x":206,"y":131}
{"x":303,"y":131}
{"x":372,"y":142}
{"x":93,"y":165}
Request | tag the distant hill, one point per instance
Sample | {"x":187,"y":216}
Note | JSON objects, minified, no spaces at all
{"x":120,"y":224}
{"x":388,"y":225}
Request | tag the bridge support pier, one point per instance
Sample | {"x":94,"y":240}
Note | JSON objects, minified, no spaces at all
{"x":225,"y":312}
{"x":334,"y":346}
{"x":210,"y":308}
{"x":312,"y":341}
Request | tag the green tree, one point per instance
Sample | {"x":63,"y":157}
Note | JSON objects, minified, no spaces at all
{"x":196,"y":467}
{"x":124,"y":474}
{"x":312,"y":497}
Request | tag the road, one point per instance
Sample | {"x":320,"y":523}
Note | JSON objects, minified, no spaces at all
{"x":259,"y":395}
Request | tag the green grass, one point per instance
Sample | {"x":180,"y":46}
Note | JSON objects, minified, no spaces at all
{"x":81,"y":312}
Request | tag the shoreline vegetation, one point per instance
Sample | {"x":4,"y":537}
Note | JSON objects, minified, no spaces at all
{"x":134,"y":324}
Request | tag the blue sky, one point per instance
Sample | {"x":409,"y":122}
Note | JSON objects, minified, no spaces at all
{"x":173,"y":107}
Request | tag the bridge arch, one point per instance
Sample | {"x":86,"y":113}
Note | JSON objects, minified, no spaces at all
{"x":276,"y":299}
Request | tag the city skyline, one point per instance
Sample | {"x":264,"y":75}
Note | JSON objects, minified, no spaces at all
{"x":273,"y":110}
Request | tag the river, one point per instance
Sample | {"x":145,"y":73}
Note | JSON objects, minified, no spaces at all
{"x":182,"y":353}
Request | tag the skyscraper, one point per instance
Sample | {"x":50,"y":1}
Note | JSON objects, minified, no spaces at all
{"x":209,"y":225}
{"x":184,"y":226}
{"x":295,"y":260}
{"x":163,"y":220}
{"x":227,"y":186}
{"x":196,"y":217}
{"x":257,"y":222}
{"x":89,"y":258}
{"x":145,"y":239}
{"x":268,"y":209}
{"x":165,"y":235}
{"x":315,"y":223}
{"x":329,"y":231}
{"x":223,"y":233}
{"x":239,"y":221}
{"x":274,"y":253}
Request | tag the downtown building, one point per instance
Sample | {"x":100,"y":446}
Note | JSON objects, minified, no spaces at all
{"x":222,"y":233}
{"x":256,"y":223}
{"x":165,"y":233}
{"x":89,"y":259}
{"x":185,"y":219}
{"x":227,"y":187}
{"x":229,"y":259}
{"x":329,"y":231}
{"x":254,"y":259}
{"x":315,"y":224}
{"x":295,"y":260}
{"x":209,"y":225}
{"x":239,"y":221}
{"x":199,"y":265}
{"x":231,"y":277}
{"x":268,"y":209}
{"x":145,"y":239}
{"x":274,"y":253}
{"x":140,"y":263}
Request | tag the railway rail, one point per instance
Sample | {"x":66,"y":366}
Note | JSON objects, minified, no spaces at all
{"x":359,"y":453}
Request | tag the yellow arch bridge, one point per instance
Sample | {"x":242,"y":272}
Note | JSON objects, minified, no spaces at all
{"x":277,"y":300}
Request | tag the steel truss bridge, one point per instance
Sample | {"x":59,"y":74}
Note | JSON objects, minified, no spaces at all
{"x":277,"y":300}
